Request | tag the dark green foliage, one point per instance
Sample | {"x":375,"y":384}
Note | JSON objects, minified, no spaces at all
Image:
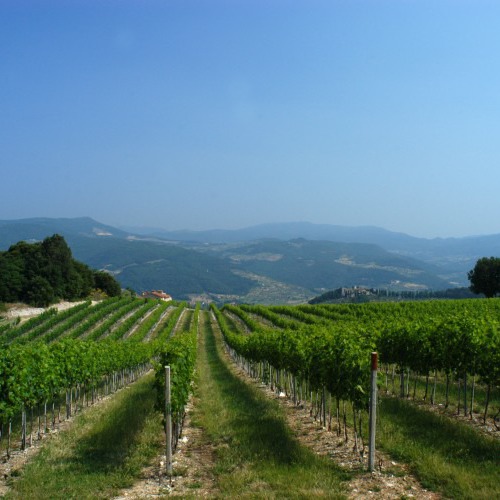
{"x":105,"y":282}
{"x":39,"y":292}
{"x":485,"y":277}
{"x":81,"y":280}
{"x":326,"y":297}
{"x":44,"y":272}
{"x":56,"y":263}
{"x":381,"y":294}
{"x":11,"y":277}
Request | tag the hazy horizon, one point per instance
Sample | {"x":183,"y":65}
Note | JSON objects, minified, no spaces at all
{"x":183,"y":114}
{"x":148,"y":229}
{"x":126,"y":227}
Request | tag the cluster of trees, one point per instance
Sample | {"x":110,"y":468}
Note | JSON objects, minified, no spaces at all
{"x":42,"y":273}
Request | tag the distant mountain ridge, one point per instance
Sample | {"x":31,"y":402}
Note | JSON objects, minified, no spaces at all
{"x":455,"y":256}
{"x":281,"y":231}
{"x":12,"y":231}
{"x":322,"y":264}
{"x":269,"y":262}
{"x":390,"y":240}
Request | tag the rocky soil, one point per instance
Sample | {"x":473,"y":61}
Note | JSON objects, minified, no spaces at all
{"x":25,"y":312}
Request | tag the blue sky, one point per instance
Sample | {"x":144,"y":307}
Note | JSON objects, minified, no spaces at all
{"x":225,"y":114}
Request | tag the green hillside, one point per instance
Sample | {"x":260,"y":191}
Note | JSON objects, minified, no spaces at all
{"x":317,"y":265}
{"x":145,"y":265}
{"x":266,"y":271}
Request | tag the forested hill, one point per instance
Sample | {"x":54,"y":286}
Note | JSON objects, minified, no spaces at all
{"x":44,"y":272}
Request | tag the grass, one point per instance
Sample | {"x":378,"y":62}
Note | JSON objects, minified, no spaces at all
{"x":446,"y":456}
{"x":102,"y":452}
{"x":256,"y":453}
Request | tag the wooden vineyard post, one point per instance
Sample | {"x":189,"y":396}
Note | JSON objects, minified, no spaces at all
{"x":373,"y":413}
{"x":168,"y":423}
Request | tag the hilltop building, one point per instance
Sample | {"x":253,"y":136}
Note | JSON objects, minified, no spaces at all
{"x":157,"y":294}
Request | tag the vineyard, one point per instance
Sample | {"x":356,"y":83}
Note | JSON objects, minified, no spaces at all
{"x":73,"y":358}
{"x":438,"y":359}
{"x":443,"y":356}
{"x":422,"y":346}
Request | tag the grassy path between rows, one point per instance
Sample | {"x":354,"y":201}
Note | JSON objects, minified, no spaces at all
{"x":446,"y":456}
{"x":102,"y":452}
{"x":256,"y":453}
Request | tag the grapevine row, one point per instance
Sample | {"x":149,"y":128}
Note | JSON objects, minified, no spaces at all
{"x":34,"y":374}
{"x":33,"y":329}
{"x":180,"y":354}
{"x":459,"y":339}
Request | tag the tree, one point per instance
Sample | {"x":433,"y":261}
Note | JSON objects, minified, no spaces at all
{"x":11,"y":277}
{"x":485,"y":277}
{"x":56,"y":264}
{"x":107,"y":283}
{"x":81,"y":282}
{"x":39,"y":292}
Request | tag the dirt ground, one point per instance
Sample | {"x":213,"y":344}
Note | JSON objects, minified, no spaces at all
{"x":192,"y":463}
{"x":25,"y":312}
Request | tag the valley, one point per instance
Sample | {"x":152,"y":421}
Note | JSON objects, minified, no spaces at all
{"x":271,"y":264}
